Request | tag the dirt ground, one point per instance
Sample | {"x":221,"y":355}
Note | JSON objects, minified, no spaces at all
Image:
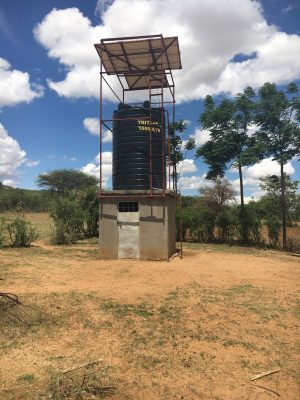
{"x":196,"y":328}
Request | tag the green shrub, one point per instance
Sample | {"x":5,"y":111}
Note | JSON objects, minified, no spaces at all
{"x":273,"y":225}
{"x":201,"y":223}
{"x":252,"y":224}
{"x":60,"y":234}
{"x":68,"y":221}
{"x":89,"y":203}
{"x":226,"y":224}
{"x":204,"y":225}
{"x":21,"y":233}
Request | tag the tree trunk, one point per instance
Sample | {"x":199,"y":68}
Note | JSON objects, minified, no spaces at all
{"x":283,"y":206}
{"x":244,"y":231}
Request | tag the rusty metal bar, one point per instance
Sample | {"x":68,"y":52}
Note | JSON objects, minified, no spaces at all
{"x":106,"y":126}
{"x":180,"y":225}
{"x":169,"y":150}
{"x":113,"y":65}
{"x":102,"y":73}
{"x":125,"y":55}
{"x":101,"y":106}
{"x":162,"y":118}
{"x":174,"y":166}
{"x":150,"y":133}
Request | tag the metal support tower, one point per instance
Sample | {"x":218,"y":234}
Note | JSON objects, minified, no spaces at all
{"x":142,"y":63}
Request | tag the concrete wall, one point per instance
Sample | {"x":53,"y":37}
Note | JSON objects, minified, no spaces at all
{"x":157,"y":234}
{"x":109,"y":235}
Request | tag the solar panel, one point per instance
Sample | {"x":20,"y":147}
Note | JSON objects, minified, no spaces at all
{"x":143,"y":61}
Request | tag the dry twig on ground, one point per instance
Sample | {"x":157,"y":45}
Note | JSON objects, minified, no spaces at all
{"x":254,"y":378}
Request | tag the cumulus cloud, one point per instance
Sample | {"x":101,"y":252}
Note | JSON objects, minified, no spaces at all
{"x":186,"y":166}
{"x":201,"y":136}
{"x":11,"y":155}
{"x":275,"y":62}
{"x":191,"y":182}
{"x":15,"y":86}
{"x":69,"y":37}
{"x":210,"y":35}
{"x":93,"y":168}
{"x":10,"y":182}
{"x":251,"y":175}
{"x":93,"y":126}
{"x":268,"y":167}
{"x":102,"y":6}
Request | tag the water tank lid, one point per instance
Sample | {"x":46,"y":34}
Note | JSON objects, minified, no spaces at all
{"x":123,"y":106}
{"x":146,"y":104}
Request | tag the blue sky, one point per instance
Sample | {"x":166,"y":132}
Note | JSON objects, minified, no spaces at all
{"x":49,"y":74}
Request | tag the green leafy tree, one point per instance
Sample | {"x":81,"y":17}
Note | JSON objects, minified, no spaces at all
{"x":88,"y":202}
{"x":231,"y":140}
{"x":297,"y":209}
{"x":278,"y":118}
{"x":177,"y":151}
{"x":272,"y":185}
{"x":66,"y":182}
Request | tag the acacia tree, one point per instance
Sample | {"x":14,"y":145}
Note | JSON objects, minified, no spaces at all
{"x":66,"y":182}
{"x":230,"y":141}
{"x":278,"y":119}
{"x":75,"y":208}
{"x":218,"y":195}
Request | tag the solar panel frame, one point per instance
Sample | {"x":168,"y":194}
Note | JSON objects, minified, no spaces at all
{"x":141,"y":60}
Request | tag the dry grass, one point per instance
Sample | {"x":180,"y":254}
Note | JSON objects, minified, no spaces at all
{"x":197,"y":328}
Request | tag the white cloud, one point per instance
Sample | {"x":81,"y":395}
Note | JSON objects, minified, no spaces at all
{"x":252,"y":174}
{"x":32,"y":163}
{"x":211,"y":34}
{"x":191,"y":182}
{"x":11,"y":155}
{"x":102,"y":6}
{"x":10,"y":182}
{"x":267,"y":167}
{"x":93,"y":168}
{"x":201,"y":136}
{"x":287,"y":9}
{"x":106,"y":157}
{"x":186,"y":166}
{"x":15,"y":86}
{"x":93,"y":126}
{"x":69,"y":158}
{"x":69,"y":37}
{"x":275,"y":62}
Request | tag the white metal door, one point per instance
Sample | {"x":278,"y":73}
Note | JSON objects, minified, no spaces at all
{"x":128,"y":226}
